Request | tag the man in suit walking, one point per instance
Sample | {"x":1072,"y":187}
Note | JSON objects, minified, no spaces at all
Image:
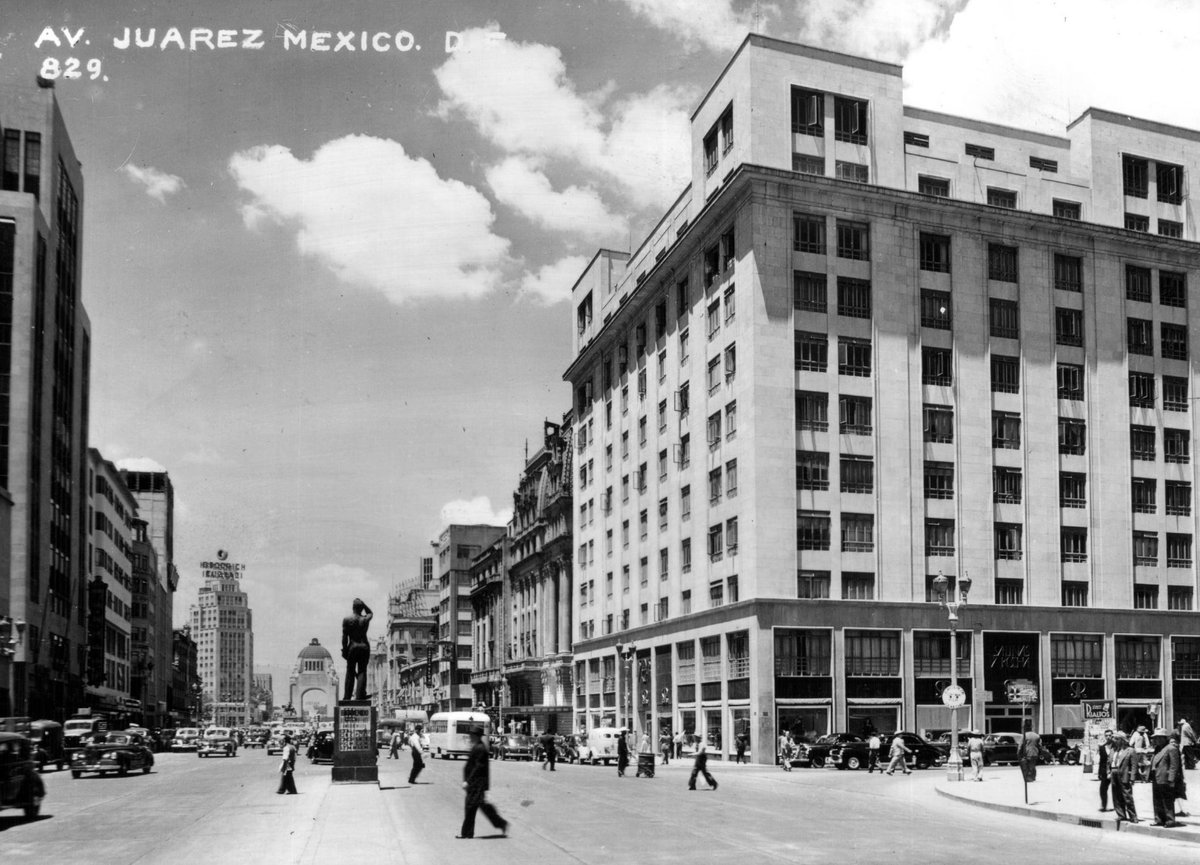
{"x":1103,"y":768}
{"x":701,"y":766}
{"x":1121,"y":769}
{"x":476,"y":783}
{"x":287,"y":784}
{"x":1165,"y":767}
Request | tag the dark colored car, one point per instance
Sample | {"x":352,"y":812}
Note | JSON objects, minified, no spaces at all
{"x":49,"y":744}
{"x":321,"y":747}
{"x":1060,"y":749}
{"x":924,"y":753}
{"x":816,"y":754}
{"x":20,"y":785}
{"x":118,"y":752}
{"x":564,"y":750}
{"x":514,"y":746}
{"x":1006,"y":748}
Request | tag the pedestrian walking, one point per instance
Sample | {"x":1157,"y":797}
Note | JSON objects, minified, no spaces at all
{"x":1104,"y":767}
{"x":740,"y":748}
{"x":1180,"y":783}
{"x":549,"y":750}
{"x":874,"y":743}
{"x":476,"y":783}
{"x":679,"y":745}
{"x":1187,"y":744}
{"x":622,"y":755}
{"x":975,"y":752}
{"x":700,"y":767}
{"x":1031,"y":750}
{"x":1121,"y":769}
{"x":395,"y":742}
{"x":1165,"y":767}
{"x":1140,"y":743}
{"x":418,"y":763}
{"x":665,"y":746}
{"x":287,"y":766}
{"x":899,"y":753}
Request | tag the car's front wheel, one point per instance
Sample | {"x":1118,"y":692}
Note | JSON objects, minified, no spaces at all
{"x":75,"y":774}
{"x":853,"y":763}
{"x":124,"y":770}
{"x":818,"y":762}
{"x":922,"y":763}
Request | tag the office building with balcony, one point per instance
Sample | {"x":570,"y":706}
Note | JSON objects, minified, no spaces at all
{"x":44,"y":370}
{"x":111,"y":512}
{"x":870,"y":344}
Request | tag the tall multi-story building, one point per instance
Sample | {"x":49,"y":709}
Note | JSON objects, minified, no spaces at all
{"x":111,"y":513}
{"x":410,"y":634}
{"x":143,"y":621}
{"x":222,"y":625}
{"x":186,"y":690}
{"x":457,"y":546}
{"x":522,"y":596}
{"x":264,"y":697}
{"x":155,"y":495}
{"x":44,"y":372}
{"x":869,"y":345}
{"x":426,"y":572}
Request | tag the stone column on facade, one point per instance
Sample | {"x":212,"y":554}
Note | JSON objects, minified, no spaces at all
{"x":564,"y":607}
{"x":554,"y":597}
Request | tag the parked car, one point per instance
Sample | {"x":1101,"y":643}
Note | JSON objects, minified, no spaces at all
{"x":49,"y":745}
{"x":119,"y":752}
{"x":185,"y":739}
{"x":565,"y":750}
{"x":20,"y":785}
{"x":1006,"y":748}
{"x":1060,"y":748}
{"x":514,"y":746}
{"x":816,"y":754}
{"x":321,"y":747}
{"x":924,"y":753}
{"x":219,"y":741}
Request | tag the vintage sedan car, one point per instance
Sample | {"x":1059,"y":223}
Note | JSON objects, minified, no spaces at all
{"x":1006,"y":748}
{"x":1060,"y":749}
{"x":219,"y":741}
{"x":275,"y":745}
{"x":321,"y":747}
{"x":256,"y":738}
{"x":924,"y":753}
{"x":20,"y":785}
{"x":514,"y":746}
{"x":118,"y":752}
{"x":48,"y":744}
{"x":816,"y":754}
{"x":186,"y":739}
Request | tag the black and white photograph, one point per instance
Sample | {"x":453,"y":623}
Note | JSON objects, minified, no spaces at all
{"x":611,"y":431}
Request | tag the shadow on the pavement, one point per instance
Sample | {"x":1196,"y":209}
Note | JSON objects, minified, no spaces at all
{"x":9,"y":820}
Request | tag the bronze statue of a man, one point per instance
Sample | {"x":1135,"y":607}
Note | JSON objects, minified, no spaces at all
{"x":356,"y":650}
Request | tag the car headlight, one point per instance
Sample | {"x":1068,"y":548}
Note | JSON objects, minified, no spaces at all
{"x":78,"y":755}
{"x":110,"y":755}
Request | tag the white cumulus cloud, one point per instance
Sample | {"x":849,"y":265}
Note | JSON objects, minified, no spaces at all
{"x":519,"y":97}
{"x":157,"y":184}
{"x":714,"y":23}
{"x":519,"y":183}
{"x":552,"y":283}
{"x":376,"y":217}
{"x":139,"y":464}
{"x":476,"y":511}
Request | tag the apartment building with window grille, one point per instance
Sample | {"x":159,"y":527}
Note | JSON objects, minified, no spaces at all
{"x":936,"y":320}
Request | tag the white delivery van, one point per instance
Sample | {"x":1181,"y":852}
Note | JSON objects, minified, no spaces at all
{"x":449,"y":736}
{"x":601,"y":745}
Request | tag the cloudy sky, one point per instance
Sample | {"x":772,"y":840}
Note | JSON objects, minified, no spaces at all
{"x":328,"y":283}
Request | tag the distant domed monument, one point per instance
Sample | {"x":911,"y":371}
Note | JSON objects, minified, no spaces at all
{"x":313,"y":685}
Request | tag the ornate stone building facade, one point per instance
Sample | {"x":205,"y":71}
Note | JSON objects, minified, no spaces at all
{"x":313,"y":685}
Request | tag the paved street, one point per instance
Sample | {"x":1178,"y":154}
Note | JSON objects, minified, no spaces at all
{"x":191,"y":810}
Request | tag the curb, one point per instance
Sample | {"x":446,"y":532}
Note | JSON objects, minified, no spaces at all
{"x":1104,"y":824}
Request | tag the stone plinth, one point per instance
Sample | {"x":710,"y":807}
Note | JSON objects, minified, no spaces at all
{"x":354,"y":751}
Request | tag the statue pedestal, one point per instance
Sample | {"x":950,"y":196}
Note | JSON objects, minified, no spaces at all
{"x":354,"y":753}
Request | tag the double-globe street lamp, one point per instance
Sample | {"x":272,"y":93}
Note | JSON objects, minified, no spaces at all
{"x":953,"y":696}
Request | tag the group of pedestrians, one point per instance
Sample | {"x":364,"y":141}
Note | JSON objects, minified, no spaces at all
{"x":1117,"y":765}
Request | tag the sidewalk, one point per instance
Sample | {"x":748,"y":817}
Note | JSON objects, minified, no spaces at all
{"x":1068,"y":795}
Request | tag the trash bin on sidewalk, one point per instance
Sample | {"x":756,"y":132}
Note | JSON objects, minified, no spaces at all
{"x":645,"y":765}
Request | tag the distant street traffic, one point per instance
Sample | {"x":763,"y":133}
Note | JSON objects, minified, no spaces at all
{"x":189,"y":810}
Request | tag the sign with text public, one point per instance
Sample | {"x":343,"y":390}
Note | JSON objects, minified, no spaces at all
{"x":354,"y":729}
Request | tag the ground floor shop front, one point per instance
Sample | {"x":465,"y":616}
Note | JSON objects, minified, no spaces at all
{"x":758,"y":669}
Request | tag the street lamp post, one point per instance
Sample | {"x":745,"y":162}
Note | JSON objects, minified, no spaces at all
{"x":627,"y":651}
{"x":954,"y":699}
